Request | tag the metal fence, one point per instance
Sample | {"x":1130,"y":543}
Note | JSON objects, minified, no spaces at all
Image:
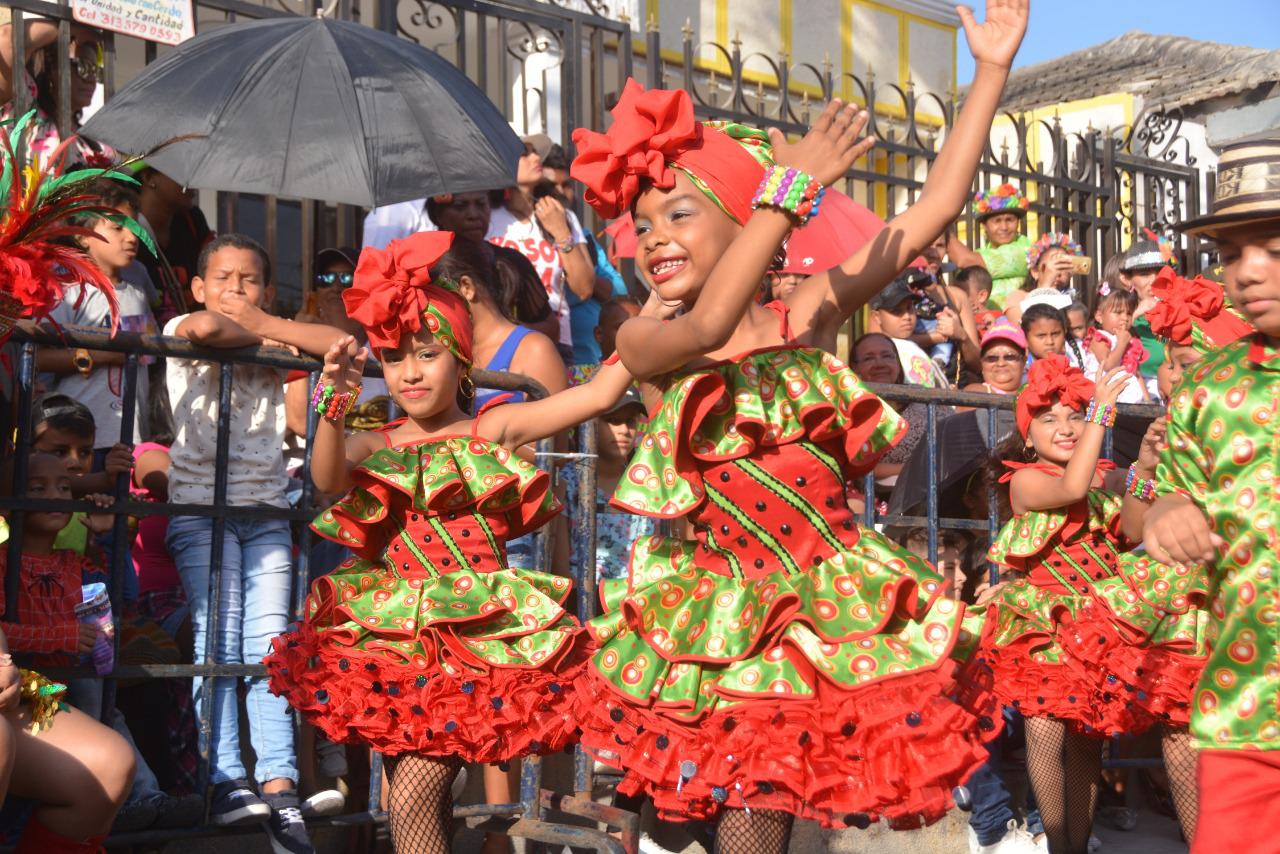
{"x":531,"y":816}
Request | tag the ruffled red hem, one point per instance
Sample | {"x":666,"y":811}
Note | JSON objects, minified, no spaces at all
{"x":1104,"y":684}
{"x":893,"y":749}
{"x":491,"y":716}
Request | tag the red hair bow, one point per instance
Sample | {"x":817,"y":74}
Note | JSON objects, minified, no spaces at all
{"x":1191,"y":309}
{"x":651,"y":131}
{"x":392,"y":291}
{"x":1050,"y":380}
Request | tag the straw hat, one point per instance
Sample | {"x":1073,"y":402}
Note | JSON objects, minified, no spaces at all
{"x":1248,"y":188}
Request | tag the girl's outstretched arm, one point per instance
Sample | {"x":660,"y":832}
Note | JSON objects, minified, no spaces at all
{"x":1036,"y":490}
{"x":518,"y":424}
{"x":1133,"y":508}
{"x":846,"y":288}
{"x":333,"y":455}
{"x":827,"y":152}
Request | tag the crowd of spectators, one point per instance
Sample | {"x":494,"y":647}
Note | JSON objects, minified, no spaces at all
{"x":546,"y":298}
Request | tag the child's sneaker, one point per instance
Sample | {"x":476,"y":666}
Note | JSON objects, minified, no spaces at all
{"x":333,"y":757}
{"x":324,"y":802}
{"x":285,"y":827}
{"x":235,"y":803}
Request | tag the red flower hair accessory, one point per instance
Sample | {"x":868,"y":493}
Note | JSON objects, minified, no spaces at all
{"x":1051,"y":379}
{"x":393,"y":295}
{"x":652,"y":132}
{"x":1193,"y":312}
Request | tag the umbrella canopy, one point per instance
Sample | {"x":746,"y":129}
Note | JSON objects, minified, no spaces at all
{"x":312,"y":108}
{"x":841,"y":228}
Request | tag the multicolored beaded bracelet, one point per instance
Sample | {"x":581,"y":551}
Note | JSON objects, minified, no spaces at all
{"x":790,"y":190}
{"x":1104,"y":415}
{"x":333,"y":405}
{"x":1139,"y":487}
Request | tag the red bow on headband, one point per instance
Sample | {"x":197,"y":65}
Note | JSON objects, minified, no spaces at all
{"x":1050,"y":380}
{"x":652,"y":130}
{"x":1188,"y":306}
{"x":392,"y":291}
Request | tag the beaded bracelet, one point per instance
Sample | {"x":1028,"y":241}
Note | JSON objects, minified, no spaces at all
{"x":1139,"y":487}
{"x":790,"y":190}
{"x":1104,"y":415}
{"x":333,"y":405}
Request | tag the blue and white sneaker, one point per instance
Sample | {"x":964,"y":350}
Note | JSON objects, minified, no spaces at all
{"x":235,"y":803}
{"x":285,"y":828}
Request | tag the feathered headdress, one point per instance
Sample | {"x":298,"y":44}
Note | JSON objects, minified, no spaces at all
{"x":41,"y":205}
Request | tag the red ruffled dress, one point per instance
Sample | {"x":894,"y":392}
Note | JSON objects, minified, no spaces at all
{"x":426,"y":642}
{"x":785,"y":659}
{"x":1110,"y":642}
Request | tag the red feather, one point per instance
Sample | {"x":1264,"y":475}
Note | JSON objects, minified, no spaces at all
{"x":35,"y":270}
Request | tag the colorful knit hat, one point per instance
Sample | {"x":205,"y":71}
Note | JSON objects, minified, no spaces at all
{"x":41,"y":206}
{"x":1049,"y":380}
{"x":1005,"y":198}
{"x":393,"y":295}
{"x":655,"y":132}
{"x":1051,"y":240}
{"x":1194,"y":312}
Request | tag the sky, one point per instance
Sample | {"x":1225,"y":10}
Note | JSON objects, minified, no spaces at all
{"x":1063,"y":26}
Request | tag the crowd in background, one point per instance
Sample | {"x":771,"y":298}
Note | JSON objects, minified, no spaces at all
{"x":547,"y":299}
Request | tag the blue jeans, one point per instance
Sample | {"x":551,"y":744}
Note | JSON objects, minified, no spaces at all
{"x":992,"y":803}
{"x":257,"y":571}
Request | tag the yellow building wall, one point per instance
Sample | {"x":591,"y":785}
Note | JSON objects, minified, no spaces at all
{"x":854,"y":36}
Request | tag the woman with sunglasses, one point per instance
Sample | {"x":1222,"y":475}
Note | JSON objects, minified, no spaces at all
{"x":42,"y":79}
{"x":1004,"y":359}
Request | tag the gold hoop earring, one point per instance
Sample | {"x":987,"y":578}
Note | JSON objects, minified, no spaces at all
{"x":467,"y":386}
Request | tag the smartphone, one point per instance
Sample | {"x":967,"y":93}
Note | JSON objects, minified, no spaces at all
{"x":1081,"y":265}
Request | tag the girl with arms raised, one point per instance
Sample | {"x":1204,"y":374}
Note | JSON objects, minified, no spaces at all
{"x":784,"y":662}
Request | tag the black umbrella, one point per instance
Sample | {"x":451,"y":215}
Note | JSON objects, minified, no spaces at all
{"x":312,"y":108}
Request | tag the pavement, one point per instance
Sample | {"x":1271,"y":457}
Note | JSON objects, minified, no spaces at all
{"x":1154,"y":835}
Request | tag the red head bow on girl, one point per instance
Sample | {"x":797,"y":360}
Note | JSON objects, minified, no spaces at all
{"x":393,"y":295}
{"x":1192,"y":312}
{"x":1051,"y":380}
{"x":652,"y":132}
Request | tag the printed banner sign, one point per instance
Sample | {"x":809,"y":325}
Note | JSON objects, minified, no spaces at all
{"x":164,"y":21}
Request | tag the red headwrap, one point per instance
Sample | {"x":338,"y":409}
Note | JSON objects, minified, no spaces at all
{"x":393,"y":295}
{"x":1051,"y":379}
{"x":1191,"y":312}
{"x":651,"y":132}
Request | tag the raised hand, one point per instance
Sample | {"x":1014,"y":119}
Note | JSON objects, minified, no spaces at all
{"x":830,"y":147}
{"x":344,"y":364}
{"x":551,"y":216}
{"x":995,"y":41}
{"x":1107,"y":391}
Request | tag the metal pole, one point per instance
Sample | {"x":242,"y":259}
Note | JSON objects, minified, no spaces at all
{"x":21,"y":455}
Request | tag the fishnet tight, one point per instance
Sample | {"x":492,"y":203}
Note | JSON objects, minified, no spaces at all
{"x":760,"y":832}
{"x":1064,"y":768}
{"x":1180,"y":766}
{"x":419,"y":803}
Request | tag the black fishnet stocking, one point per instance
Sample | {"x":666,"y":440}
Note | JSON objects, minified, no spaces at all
{"x":419,"y":803}
{"x":1064,"y":770}
{"x":1180,"y":766}
{"x":757,"y":832}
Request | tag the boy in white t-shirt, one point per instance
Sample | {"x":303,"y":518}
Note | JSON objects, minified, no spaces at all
{"x":232,"y":282}
{"x":96,"y":377}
